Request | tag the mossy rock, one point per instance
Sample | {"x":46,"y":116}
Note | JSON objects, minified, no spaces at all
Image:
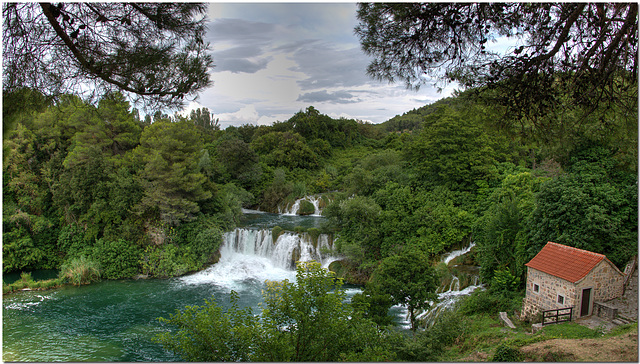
{"x":295,"y":256}
{"x":275,"y":233}
{"x":306,"y":208}
{"x":314,"y":233}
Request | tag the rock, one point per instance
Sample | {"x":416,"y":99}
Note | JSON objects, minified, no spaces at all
{"x":506,"y":321}
{"x":536,"y":327}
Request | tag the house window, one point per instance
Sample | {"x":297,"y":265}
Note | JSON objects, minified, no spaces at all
{"x":561,"y":299}
{"x":536,"y":288}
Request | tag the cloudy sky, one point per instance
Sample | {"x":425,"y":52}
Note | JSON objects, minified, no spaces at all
{"x":275,"y":59}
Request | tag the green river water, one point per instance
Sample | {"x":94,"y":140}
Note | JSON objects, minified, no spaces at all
{"x":116,"y":320}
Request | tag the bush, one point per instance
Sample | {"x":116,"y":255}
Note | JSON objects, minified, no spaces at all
{"x":506,"y":353}
{"x":428,"y":345}
{"x":489,"y":301}
{"x":167,"y":261}
{"x":118,"y":259}
{"x":206,"y":243}
{"x":79,"y":271}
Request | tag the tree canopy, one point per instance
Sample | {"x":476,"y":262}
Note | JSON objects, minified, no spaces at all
{"x":585,"y":52}
{"x":154,"y":52}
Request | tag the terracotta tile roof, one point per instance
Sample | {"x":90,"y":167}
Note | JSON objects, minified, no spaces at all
{"x":565,"y":262}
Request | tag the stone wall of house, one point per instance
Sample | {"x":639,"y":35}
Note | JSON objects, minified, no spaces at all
{"x":605,"y":280}
{"x":547,"y":296}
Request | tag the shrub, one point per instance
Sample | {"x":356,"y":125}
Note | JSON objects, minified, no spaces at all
{"x":118,"y":259}
{"x":429,"y":344}
{"x":167,"y":261}
{"x":488,"y":301}
{"x":80,"y":271}
{"x":506,"y":353}
{"x":206,"y":243}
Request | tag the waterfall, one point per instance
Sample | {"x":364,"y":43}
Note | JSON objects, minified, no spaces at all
{"x":293,"y":210}
{"x":454,"y":291}
{"x":448,"y":257}
{"x":252,"y":255}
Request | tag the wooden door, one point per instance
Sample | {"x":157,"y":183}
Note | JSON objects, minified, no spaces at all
{"x":586,"y":302}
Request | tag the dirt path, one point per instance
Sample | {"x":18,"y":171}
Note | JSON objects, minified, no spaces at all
{"x":623,"y":348}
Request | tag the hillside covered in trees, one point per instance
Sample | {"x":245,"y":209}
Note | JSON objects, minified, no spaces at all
{"x":152,"y":196}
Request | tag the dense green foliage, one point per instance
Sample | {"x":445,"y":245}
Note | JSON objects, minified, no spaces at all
{"x":97,"y":192}
{"x":305,"y":320}
{"x":83,"y":179}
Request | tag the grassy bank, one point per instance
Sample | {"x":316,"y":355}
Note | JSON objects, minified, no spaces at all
{"x":26,"y":282}
{"x":485,"y":338}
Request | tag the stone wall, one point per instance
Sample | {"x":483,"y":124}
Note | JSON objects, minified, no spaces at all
{"x":547,"y":296}
{"x":606,"y":283}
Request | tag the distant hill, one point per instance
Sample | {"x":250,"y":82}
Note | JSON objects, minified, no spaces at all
{"x":412,"y":120}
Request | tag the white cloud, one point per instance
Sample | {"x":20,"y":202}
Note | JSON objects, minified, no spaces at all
{"x":276,"y":59}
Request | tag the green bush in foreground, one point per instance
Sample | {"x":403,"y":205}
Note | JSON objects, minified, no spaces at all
{"x":307,"y":320}
{"x":80,"y":271}
{"x":505,"y":353}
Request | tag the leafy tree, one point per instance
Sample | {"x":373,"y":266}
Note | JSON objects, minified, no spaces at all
{"x":593,"y":207}
{"x":359,"y":219}
{"x":585,"y":52}
{"x":455,"y":150}
{"x":307,"y":320}
{"x":285,"y":149}
{"x":428,"y":220}
{"x":500,"y":233}
{"x":239,"y":160}
{"x":203,"y":118}
{"x":409,"y":279}
{"x":172,"y":183}
{"x":20,"y":104}
{"x":154,"y":52}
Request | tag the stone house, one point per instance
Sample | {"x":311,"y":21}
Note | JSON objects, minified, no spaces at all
{"x":561,"y":276}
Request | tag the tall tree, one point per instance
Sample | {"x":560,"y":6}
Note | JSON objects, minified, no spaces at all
{"x":173,"y":183}
{"x":153,"y":52}
{"x":409,"y":279}
{"x":587,"y":53}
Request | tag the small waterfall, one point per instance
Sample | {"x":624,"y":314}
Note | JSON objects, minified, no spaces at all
{"x":448,"y":257}
{"x":252,"y":255}
{"x":293,"y":210}
{"x":449,"y":294}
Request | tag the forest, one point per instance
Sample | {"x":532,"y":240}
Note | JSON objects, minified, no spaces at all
{"x":151,"y":196}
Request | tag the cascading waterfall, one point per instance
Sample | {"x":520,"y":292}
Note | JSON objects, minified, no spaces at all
{"x":453,"y":293}
{"x":448,"y":257}
{"x":252,"y":255}
{"x":293,"y":210}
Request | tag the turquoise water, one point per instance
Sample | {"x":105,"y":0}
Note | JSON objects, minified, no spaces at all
{"x":107,"y":321}
{"x":116,"y":320}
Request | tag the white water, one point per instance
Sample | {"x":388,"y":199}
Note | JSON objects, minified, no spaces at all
{"x":447,"y":299}
{"x":251,"y":255}
{"x":456,"y":253}
{"x":293,"y":210}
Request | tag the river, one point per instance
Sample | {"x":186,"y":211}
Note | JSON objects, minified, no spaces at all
{"x":116,"y":320}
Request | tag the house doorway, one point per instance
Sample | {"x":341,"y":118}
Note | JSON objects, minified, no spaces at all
{"x":586,"y":302}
